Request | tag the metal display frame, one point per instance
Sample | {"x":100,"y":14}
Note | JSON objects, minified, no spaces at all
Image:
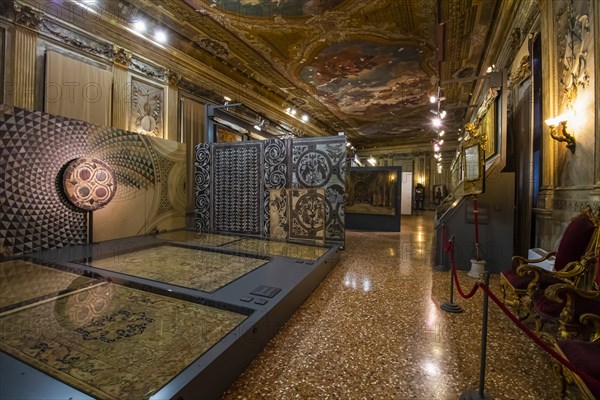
{"x":214,"y":371}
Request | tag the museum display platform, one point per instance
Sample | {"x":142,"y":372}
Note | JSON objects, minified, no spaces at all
{"x":178,"y":315}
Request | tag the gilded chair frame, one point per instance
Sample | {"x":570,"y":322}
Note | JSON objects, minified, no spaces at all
{"x":579,"y":273}
{"x":566,"y":375}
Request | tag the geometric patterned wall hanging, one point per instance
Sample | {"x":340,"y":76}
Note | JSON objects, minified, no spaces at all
{"x":36,"y":148}
{"x":34,"y":216}
{"x":242,"y":188}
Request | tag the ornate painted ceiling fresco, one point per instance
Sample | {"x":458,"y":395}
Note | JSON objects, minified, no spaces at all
{"x":365,"y":68}
{"x":268,"y":8}
{"x":371,"y":84}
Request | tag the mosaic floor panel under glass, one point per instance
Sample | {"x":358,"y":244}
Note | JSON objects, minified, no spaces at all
{"x":191,"y":268}
{"x":22,"y":280}
{"x":114,"y":342}
{"x":270,"y":248}
{"x":210,"y":239}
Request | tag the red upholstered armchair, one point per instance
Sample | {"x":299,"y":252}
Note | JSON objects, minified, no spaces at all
{"x":585,"y":356}
{"x":571,"y":265}
{"x":566,"y":303}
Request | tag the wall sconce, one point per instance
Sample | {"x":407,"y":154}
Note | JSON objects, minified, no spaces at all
{"x":558,"y":131}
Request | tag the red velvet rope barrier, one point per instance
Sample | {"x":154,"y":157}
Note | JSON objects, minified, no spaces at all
{"x":449,"y":247}
{"x":557,"y":356}
{"x":456,"y":281}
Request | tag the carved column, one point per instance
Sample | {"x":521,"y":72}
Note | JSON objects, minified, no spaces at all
{"x":550,"y":106}
{"x":121,"y":92}
{"x":172,"y":108}
{"x":596,"y":31}
{"x":24,"y":68}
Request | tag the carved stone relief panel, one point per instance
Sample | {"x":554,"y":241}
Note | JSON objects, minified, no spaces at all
{"x":147,"y":108}
{"x":574,"y":26}
{"x":321,"y":163}
{"x":309,"y":213}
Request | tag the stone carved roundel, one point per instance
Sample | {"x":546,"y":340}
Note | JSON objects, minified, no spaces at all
{"x":312,"y":211}
{"x":313,"y":169}
{"x":89,"y":184}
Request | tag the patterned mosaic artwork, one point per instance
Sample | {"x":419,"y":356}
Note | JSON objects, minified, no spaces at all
{"x":308,"y":214}
{"x":279,"y":214}
{"x":272,"y":248}
{"x":89,"y":183}
{"x":35,"y":213}
{"x":22,"y":280}
{"x":195,"y":269}
{"x":286,"y":164}
{"x":135,"y":343}
{"x":208,"y":239}
{"x":321,"y":163}
{"x":236,"y":176}
{"x":276,"y":177}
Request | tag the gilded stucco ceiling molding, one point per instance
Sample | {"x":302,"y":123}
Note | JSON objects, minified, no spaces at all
{"x":72,"y":38}
{"x":121,"y":56}
{"x":173,"y":78}
{"x":573,"y":31}
{"x":151,"y":71}
{"x":522,"y":73}
{"x":26,"y":16}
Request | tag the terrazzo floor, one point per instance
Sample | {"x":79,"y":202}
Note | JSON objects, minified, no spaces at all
{"x":373,"y":330}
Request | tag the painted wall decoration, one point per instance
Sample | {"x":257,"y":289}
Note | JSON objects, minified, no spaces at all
{"x":274,"y":188}
{"x":227,"y":135}
{"x":147,"y":108}
{"x":37,"y":148}
{"x":372,"y":192}
{"x":89,"y":183}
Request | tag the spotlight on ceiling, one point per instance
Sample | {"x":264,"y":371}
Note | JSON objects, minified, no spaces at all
{"x":443,"y":114}
{"x":432,"y":99}
{"x":160,"y":36}
{"x":305,"y":118}
{"x":139,"y":26}
{"x":260,"y":124}
{"x":226,"y":98}
{"x":442,"y":133}
{"x":437,"y":122}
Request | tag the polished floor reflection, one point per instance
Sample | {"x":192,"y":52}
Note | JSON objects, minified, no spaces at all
{"x":191,"y":268}
{"x":373,"y":330}
{"x":113,"y":342}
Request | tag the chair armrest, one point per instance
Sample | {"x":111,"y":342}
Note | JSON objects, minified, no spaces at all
{"x":561,"y":291}
{"x":522,"y":260}
{"x":537,"y":272}
{"x":594,"y":320}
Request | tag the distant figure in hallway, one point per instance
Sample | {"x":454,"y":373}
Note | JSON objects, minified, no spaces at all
{"x":419,"y":196}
